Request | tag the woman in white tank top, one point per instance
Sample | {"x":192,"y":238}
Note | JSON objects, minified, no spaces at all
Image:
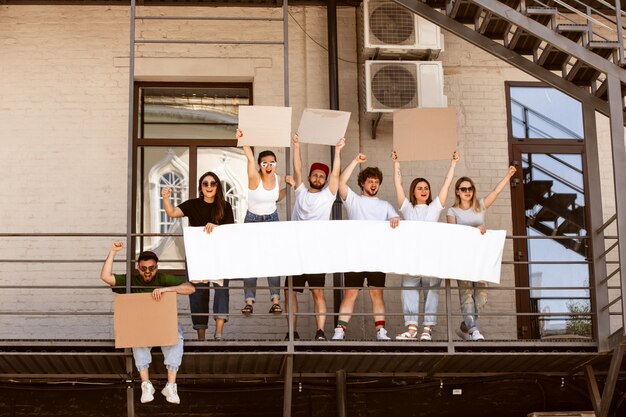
{"x":469,"y":211}
{"x":263,"y":194}
{"x":420,"y":206}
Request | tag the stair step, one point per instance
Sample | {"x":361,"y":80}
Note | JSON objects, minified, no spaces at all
{"x":463,"y":11}
{"x":534,"y":192}
{"x":576,"y":245}
{"x":541,"y":11}
{"x":574,"y":222}
{"x":556,"y":206}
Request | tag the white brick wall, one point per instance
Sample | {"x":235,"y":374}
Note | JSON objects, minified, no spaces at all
{"x":64,"y":121}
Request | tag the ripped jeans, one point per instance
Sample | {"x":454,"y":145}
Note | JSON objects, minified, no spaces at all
{"x":473,"y":297}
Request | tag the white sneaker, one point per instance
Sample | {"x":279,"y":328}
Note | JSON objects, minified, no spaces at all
{"x":147,"y":392}
{"x":382,"y":334}
{"x":476,"y":335}
{"x":340,"y":334}
{"x":170,"y":393}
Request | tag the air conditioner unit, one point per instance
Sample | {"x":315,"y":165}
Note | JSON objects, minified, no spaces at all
{"x":390,"y":28}
{"x":392,"y":85}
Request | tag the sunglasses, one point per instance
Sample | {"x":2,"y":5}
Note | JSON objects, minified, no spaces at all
{"x":264,"y":164}
{"x":466,"y":189}
{"x":147,"y":268}
{"x":209,"y":184}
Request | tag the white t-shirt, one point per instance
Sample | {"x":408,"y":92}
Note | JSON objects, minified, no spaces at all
{"x":422,"y":212}
{"x":469,"y":217}
{"x":312,"y":206}
{"x":361,"y":207}
{"x":262,"y":201}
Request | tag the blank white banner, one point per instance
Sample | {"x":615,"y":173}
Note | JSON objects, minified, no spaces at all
{"x":292,"y":248}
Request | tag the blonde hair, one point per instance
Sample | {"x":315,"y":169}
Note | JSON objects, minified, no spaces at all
{"x":474,"y":204}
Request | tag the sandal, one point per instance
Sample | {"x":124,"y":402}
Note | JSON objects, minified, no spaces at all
{"x":276,"y":309}
{"x":426,"y":334}
{"x":247,"y":310}
{"x":410,"y":334}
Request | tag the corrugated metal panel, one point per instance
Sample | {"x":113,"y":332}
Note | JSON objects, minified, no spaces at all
{"x":254,"y":359}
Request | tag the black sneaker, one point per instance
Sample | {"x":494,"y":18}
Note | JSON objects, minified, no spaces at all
{"x":296,"y":336}
{"x":319,"y":335}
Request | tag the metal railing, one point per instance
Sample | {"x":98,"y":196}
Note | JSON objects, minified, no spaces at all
{"x":37,"y":306}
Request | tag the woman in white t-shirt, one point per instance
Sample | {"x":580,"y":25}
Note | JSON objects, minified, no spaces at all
{"x":420,"y":206}
{"x":470,"y":211}
{"x":263,"y":194}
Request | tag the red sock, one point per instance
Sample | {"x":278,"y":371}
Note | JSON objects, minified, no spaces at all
{"x":380,"y":323}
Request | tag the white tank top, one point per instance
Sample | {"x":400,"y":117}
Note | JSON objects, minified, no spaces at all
{"x":262,"y":201}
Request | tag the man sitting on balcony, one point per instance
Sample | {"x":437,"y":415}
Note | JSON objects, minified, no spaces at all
{"x":148,"y":277}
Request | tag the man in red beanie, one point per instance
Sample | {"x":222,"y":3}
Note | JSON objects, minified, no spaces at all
{"x":314,"y":202}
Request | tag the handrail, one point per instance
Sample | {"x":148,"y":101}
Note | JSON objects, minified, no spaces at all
{"x":556,"y":177}
{"x":607,"y":223}
{"x":547,"y":119}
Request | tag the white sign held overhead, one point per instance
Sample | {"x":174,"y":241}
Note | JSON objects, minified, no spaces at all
{"x":323,"y":127}
{"x":265,"y":126}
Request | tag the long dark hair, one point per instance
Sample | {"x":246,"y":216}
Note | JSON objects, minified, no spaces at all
{"x":220,"y":201}
{"x":414,"y":183}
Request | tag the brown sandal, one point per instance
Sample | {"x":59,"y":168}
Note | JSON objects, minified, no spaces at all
{"x":276,"y":309}
{"x":247,"y":310}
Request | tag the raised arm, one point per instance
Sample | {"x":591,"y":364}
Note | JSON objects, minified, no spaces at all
{"x":253,"y":173}
{"x":333,"y":182}
{"x":170,"y":210}
{"x":345,"y":175}
{"x":106,"y":274}
{"x":297,"y":161}
{"x":445,"y":188}
{"x":397,"y":179}
{"x":489,"y":200}
{"x":185,"y":288}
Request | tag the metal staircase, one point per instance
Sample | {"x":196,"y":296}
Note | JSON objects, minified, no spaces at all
{"x":574,"y":45}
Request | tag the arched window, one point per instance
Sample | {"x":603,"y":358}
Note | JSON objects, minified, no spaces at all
{"x":175,"y":182}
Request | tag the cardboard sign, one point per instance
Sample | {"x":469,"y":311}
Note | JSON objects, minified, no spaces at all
{"x":141,"y":321}
{"x":323,"y":127}
{"x":265,"y":126}
{"x":424,"y":134}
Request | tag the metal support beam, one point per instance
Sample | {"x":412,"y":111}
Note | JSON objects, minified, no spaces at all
{"x":611,"y":380}
{"x":600,"y":295}
{"x":618,"y":148}
{"x":594,"y":392}
{"x":286,"y":94}
{"x":499,"y":51}
{"x":130,"y":393}
{"x":333,"y":104}
{"x":341,"y":394}
{"x":288,"y":374}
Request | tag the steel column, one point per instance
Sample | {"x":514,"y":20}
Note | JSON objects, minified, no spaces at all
{"x":333,"y":104}
{"x":341,"y":394}
{"x":618,"y":148}
{"x":611,"y":380}
{"x":600,"y":296}
{"x":288,"y":373}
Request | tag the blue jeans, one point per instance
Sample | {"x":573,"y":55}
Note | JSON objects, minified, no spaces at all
{"x":411,"y":299}
{"x":473,"y":297}
{"x":172,"y":355}
{"x":199,"y":304}
{"x":249,"y":284}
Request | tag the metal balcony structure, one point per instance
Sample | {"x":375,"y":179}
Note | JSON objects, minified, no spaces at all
{"x":575,"y":46}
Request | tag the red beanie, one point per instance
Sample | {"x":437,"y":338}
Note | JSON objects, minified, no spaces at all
{"x":321,"y":167}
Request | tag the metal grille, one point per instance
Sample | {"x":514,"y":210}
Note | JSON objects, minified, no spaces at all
{"x":391,"y":24}
{"x":394,"y":86}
